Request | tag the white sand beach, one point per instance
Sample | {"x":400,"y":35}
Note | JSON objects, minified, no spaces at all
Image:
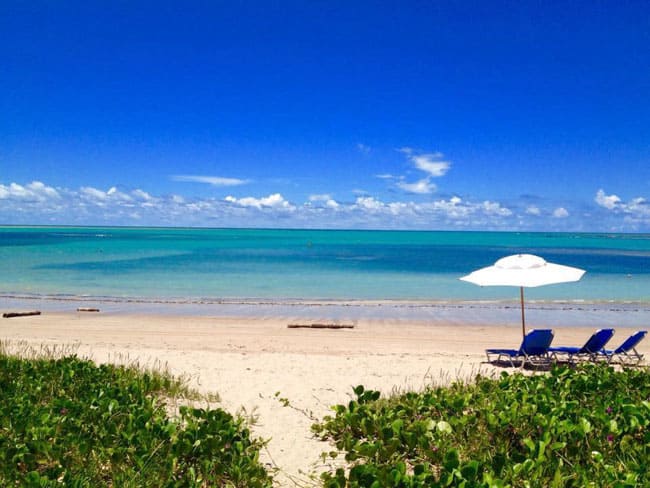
{"x":254,"y":363}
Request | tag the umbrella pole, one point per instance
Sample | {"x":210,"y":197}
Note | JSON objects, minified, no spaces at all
{"x":523,"y":316}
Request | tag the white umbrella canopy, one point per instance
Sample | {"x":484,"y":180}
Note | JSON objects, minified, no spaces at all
{"x":523,"y":270}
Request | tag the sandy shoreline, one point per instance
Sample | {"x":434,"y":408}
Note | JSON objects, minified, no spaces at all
{"x":252,"y":363}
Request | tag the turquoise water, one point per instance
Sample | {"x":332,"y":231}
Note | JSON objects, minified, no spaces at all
{"x":234,"y":264}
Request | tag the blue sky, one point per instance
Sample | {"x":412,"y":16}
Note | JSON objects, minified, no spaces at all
{"x":514,"y":115}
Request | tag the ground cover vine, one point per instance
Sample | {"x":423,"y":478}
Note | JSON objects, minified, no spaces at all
{"x":69,"y":422}
{"x":581,"y":427}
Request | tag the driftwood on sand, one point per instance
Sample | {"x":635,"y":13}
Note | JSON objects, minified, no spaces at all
{"x":87,"y":309}
{"x":8,"y":315}
{"x":320,"y":326}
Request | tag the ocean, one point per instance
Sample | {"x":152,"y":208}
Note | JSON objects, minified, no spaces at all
{"x":353,"y":274}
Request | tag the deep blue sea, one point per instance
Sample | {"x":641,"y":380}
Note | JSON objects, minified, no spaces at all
{"x":235,"y":266}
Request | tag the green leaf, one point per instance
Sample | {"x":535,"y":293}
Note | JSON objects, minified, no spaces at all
{"x":444,"y":427}
{"x":397,"y":426}
{"x":530,"y":444}
{"x":470,"y":470}
{"x":452,"y":460}
{"x":613,"y":426}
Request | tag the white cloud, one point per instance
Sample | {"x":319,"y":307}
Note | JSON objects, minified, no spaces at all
{"x":91,"y":193}
{"x":639,"y":206}
{"x":368,"y":203}
{"x":430,"y":164}
{"x":454,"y":210}
{"x":364,"y":149}
{"x":115,"y":194}
{"x":18,"y":191}
{"x":385,"y":176}
{"x":420,"y":187}
{"x":325,"y":199}
{"x":560,"y":213}
{"x":210,"y":180}
{"x":607,"y":201}
{"x":636,"y":211}
{"x":457,"y":209}
{"x":533,"y":210}
{"x":333,"y":204}
{"x":34,"y":191}
{"x":495,"y":208}
{"x":100,"y":197}
{"x":42,"y":190}
{"x":275,"y":201}
{"x":142,"y":195}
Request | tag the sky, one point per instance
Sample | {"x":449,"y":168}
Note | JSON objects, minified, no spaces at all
{"x":441,"y":115}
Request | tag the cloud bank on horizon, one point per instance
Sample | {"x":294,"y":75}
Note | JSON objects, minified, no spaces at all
{"x":408,"y":202}
{"x":38,"y":203}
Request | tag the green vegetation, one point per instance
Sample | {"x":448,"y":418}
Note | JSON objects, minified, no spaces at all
{"x":69,"y":422}
{"x":568,"y":428}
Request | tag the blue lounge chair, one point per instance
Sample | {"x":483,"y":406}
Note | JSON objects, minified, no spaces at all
{"x":533,"y":349}
{"x":590,"y":350}
{"x":626,"y":352}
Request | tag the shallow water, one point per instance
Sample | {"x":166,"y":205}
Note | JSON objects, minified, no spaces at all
{"x":305,"y":272}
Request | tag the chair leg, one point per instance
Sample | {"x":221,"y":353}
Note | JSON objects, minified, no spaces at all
{"x":632,"y":358}
{"x":501,"y":357}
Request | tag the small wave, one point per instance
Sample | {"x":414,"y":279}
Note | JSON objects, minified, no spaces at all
{"x":577,"y":304}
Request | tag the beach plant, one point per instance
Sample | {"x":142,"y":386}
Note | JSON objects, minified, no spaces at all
{"x":571,"y":427}
{"x":70,"y":422}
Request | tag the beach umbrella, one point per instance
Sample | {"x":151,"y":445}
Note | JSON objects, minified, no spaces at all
{"x":524,"y":271}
